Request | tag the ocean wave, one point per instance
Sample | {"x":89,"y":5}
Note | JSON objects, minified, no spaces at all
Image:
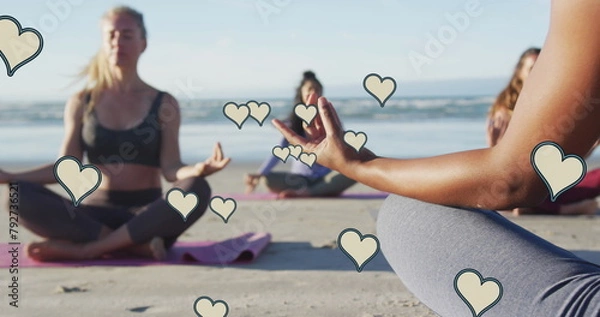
{"x":351,"y":108}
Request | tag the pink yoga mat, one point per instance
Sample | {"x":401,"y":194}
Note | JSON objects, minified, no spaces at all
{"x":271,"y":196}
{"x":241,"y":249}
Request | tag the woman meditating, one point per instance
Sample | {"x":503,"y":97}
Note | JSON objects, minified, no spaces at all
{"x":302,"y":180}
{"x":130,"y":132}
{"x":440,"y":219}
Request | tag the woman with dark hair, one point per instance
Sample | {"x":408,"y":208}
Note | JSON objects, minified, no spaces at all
{"x":580,"y":199}
{"x":439,"y":221}
{"x":130,"y":132}
{"x":301,"y":181}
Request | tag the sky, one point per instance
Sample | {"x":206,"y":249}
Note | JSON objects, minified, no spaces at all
{"x":251,"y":48}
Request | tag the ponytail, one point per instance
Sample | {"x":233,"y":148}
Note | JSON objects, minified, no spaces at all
{"x":98,"y":78}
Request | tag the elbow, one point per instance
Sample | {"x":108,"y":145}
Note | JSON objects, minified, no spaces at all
{"x":515,"y":182}
{"x":528,"y":190}
{"x":169,"y":173}
{"x":535,"y":193}
{"x":169,"y":178}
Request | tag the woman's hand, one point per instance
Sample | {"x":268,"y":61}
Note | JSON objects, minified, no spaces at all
{"x":251,"y":181}
{"x":325,"y":137}
{"x":214,"y":163}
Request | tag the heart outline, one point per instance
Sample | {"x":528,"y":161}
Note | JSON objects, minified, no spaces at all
{"x":563,"y":158}
{"x":362,"y":237}
{"x":258,"y":105}
{"x":76,"y":202}
{"x":238,"y":108}
{"x":212,"y":302}
{"x":223,"y":201}
{"x":310,"y":155}
{"x":282,"y":149}
{"x":184,"y":196}
{"x":306,"y":108}
{"x":295,"y":148}
{"x":381,"y":80}
{"x":481,"y":281}
{"x":355,"y":135}
{"x":10,"y":72}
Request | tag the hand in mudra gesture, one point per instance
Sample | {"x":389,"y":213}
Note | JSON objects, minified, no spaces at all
{"x":324,"y":137}
{"x":214,"y":163}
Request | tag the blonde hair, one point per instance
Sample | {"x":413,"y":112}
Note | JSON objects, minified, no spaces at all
{"x":507,"y":99}
{"x":97,"y":72}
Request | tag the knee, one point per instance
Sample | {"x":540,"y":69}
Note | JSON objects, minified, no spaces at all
{"x":394,"y":212}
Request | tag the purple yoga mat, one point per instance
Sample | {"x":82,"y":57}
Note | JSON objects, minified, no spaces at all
{"x":241,"y":249}
{"x":272,"y":196}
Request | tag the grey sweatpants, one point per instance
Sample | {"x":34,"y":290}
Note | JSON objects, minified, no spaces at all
{"x":427,"y":245}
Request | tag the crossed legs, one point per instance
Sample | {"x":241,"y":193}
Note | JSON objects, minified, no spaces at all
{"x":90,"y":231}
{"x":427,"y":245}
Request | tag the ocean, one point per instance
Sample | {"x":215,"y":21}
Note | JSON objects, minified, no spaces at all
{"x":403,"y":128}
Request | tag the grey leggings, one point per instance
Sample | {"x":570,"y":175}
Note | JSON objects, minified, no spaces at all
{"x":427,"y":245}
{"x":145,"y":213}
{"x":332,"y":184}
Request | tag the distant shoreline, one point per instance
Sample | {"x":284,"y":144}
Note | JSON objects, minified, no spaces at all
{"x":272,"y":97}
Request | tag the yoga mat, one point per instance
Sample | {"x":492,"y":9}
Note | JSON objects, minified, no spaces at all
{"x":272,"y":196}
{"x":241,"y":249}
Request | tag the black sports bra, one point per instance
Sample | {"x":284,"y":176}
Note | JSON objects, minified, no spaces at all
{"x":139,"y":145}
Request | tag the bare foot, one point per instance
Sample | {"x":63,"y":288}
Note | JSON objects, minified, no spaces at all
{"x":584,"y":207}
{"x":56,"y":250}
{"x":154,"y":249}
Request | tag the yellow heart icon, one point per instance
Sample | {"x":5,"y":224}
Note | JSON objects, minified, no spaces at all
{"x":559,"y":172}
{"x":224,"y":208}
{"x":79,"y":181}
{"x":183,"y":203}
{"x":235,"y":113}
{"x":355,"y":140}
{"x":18,"y":46}
{"x":259,"y":111}
{"x":380,"y":88}
{"x":295,"y":150}
{"x":306,"y":113}
{"x":308,"y":158}
{"x":358,"y":247}
{"x":281,"y":153}
{"x":478,"y":293}
{"x":206,"y":307}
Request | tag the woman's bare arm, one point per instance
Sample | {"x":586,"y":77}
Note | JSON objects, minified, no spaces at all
{"x":172,"y":167}
{"x":559,"y":103}
{"x":70,"y":146}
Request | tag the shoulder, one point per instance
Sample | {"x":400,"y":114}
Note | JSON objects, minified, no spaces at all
{"x":164,"y":98}
{"x":169,"y":103}
{"x":168,"y":107}
{"x":77,"y":102}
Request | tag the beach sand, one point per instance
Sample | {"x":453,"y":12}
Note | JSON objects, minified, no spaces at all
{"x":301,"y":273}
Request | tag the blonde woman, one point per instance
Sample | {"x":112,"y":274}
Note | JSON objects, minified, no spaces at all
{"x":129,"y":130}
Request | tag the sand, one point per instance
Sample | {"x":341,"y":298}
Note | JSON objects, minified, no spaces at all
{"x":301,"y":273}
